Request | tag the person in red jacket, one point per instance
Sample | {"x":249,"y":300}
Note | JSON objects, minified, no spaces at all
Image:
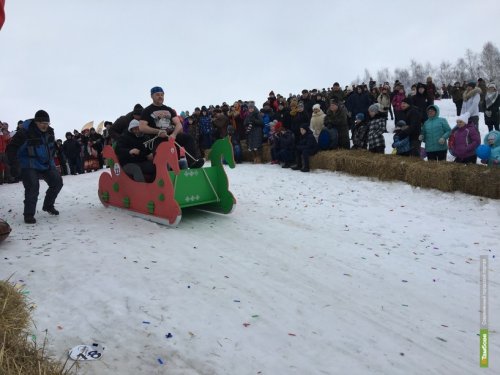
{"x":2,"y":13}
{"x":4,"y":165}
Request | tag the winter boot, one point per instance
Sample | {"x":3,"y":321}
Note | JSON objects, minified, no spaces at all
{"x":50,"y":210}
{"x":29,"y":219}
{"x":298,"y":166}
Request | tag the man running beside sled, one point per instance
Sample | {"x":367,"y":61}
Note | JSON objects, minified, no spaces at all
{"x":161,"y":121}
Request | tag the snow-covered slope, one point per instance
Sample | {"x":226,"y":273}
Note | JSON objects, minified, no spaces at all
{"x":318,"y":273}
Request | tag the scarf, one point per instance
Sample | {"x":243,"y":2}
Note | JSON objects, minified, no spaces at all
{"x":490,"y":98}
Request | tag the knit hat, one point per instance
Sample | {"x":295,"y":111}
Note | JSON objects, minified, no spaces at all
{"x":464,"y":117}
{"x":133,"y":124}
{"x":490,"y":85}
{"x":360,"y":117}
{"x":278,"y":127}
{"x":401,"y":123}
{"x":471,"y":84}
{"x":316,"y":106}
{"x":406,"y":100}
{"x":305,"y":125}
{"x":42,"y":116}
{"x":137,"y":110}
{"x":156,"y":89}
{"x":374,"y":108}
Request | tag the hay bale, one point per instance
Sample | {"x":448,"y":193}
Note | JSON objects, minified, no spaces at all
{"x":432,"y":175}
{"x":477,"y":180}
{"x":324,"y":160}
{"x":360,"y":163}
{"x":393,"y":167}
{"x":19,"y":353}
{"x":14,"y":315}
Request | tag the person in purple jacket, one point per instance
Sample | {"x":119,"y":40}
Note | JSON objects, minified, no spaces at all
{"x":465,"y":139}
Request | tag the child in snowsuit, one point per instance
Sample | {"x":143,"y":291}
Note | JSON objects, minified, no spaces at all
{"x":401,"y":139}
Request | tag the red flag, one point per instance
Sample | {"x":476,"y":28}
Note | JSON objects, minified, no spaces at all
{"x":2,"y":13}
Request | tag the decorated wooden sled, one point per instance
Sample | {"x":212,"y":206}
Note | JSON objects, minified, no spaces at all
{"x":173,"y":188}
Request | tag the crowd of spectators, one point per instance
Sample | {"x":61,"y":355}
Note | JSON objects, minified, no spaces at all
{"x":298,"y":126}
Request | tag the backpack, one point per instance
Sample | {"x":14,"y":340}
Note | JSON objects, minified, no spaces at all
{"x":323,"y":139}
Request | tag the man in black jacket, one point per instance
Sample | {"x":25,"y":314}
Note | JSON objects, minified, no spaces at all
{"x":413,"y":119}
{"x":72,"y":149}
{"x":120,"y":126}
{"x":130,"y":149}
{"x":306,"y":147}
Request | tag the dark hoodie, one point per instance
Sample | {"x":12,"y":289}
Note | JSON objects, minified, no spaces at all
{"x":307,"y":141}
{"x":420,"y":101}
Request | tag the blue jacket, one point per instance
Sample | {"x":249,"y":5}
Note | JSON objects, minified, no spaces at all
{"x":33,"y":148}
{"x":495,"y":148}
{"x":401,"y":143}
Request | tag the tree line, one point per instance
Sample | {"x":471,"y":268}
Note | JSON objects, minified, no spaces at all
{"x":470,"y":67}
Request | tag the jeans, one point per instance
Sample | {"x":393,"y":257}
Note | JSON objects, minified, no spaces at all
{"x":31,"y":184}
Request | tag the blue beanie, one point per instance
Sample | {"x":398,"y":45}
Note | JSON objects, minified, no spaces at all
{"x":156,"y":89}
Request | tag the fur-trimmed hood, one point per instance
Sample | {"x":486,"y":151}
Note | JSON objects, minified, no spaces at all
{"x":471,"y":93}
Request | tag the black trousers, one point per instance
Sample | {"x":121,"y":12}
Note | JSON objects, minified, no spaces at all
{"x":184,"y":140}
{"x":31,"y":181}
{"x":436,"y":155}
{"x":469,"y":160}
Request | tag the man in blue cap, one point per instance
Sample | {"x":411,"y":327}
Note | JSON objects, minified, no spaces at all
{"x":160,"y":120}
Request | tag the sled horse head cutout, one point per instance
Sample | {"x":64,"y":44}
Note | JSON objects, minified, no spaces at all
{"x":222,"y":149}
{"x":166,"y":156}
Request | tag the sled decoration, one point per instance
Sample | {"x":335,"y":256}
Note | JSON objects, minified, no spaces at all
{"x":86,"y":352}
{"x":161,"y":201}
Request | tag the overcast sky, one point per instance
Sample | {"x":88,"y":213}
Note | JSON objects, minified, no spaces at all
{"x":94,"y":59}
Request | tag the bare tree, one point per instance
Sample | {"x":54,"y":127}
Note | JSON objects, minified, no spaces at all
{"x":367,"y":76}
{"x":473,"y":64}
{"x":417,"y":72}
{"x":490,"y":60}
{"x":446,"y":73}
{"x":383,"y":75}
{"x":404,"y":77}
{"x":460,"y":71}
{"x":429,"y":70}
{"x":470,"y":67}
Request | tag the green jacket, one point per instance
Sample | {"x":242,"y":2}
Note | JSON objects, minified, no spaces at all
{"x":434,"y":129}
